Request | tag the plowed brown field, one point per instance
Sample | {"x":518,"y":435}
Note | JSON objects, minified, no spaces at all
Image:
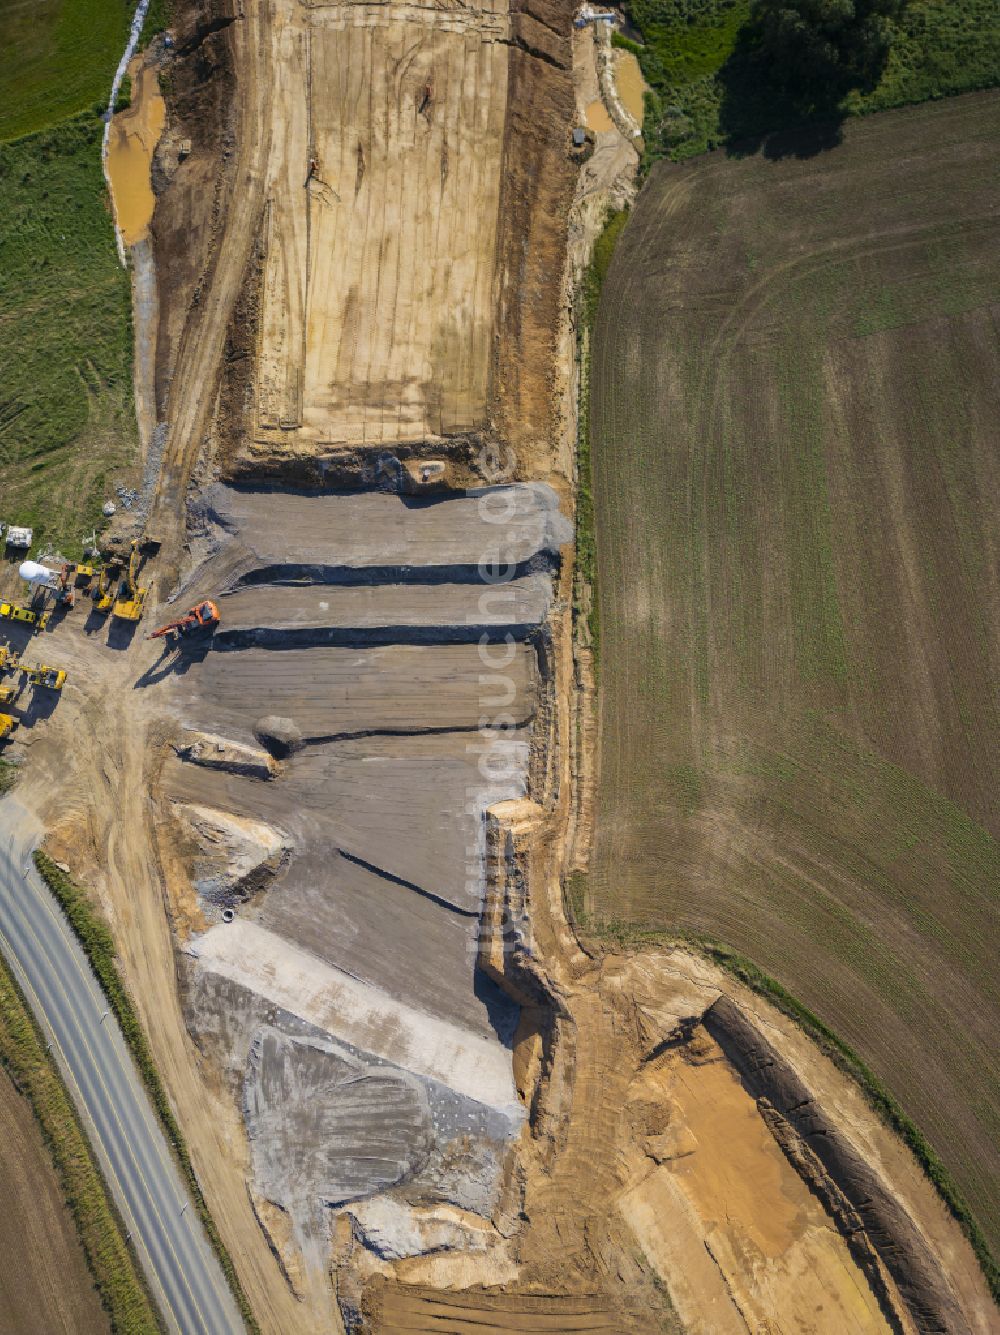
{"x":44,"y":1284}
{"x":795,"y":416}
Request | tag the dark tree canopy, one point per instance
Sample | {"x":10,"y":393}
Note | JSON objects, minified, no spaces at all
{"x":818,"y":49}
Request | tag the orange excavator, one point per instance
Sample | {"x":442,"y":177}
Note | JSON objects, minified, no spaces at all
{"x":202,"y":617}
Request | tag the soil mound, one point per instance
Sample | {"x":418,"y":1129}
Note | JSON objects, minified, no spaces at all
{"x":280,"y":735}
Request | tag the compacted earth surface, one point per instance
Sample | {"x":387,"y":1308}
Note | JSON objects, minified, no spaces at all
{"x":330,"y":835}
{"x":332,"y":775}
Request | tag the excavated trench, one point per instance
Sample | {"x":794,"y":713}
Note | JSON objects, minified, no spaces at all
{"x":314,"y":637}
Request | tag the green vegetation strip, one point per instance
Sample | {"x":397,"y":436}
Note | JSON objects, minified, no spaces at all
{"x":111,"y":1264}
{"x":99,"y":947}
{"x":59,"y":57}
{"x":585,"y":599}
{"x":624,"y":935}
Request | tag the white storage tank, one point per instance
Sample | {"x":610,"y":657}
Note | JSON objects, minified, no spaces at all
{"x":34,"y":573}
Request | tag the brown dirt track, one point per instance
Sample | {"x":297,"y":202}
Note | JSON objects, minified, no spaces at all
{"x":44,"y":1284}
{"x":795,"y":406}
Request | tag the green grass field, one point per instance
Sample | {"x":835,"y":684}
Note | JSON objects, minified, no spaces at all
{"x":67,"y":422}
{"x":941,"y":47}
{"x":57,"y":58}
{"x":795,"y":388}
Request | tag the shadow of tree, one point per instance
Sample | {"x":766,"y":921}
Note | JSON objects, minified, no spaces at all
{"x":785,"y":84}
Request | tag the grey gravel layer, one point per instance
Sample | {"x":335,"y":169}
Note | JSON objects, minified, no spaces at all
{"x":506,"y":525}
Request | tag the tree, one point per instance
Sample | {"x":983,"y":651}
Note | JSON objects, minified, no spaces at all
{"x":816,"y":50}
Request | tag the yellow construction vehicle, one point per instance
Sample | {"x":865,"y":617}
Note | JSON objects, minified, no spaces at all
{"x":53,"y":679}
{"x":84,"y":577}
{"x":9,"y":661}
{"x":104,"y":589}
{"x":7,"y":725}
{"x":131,"y":595}
{"x":25,"y":614}
{"x":203,"y":617}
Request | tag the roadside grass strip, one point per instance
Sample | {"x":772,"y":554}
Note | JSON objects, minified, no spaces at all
{"x":586,"y":611}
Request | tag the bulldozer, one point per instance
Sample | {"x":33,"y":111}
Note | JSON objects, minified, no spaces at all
{"x":131,"y":595}
{"x":203,"y":616}
{"x":26,"y":614}
{"x":8,"y":724}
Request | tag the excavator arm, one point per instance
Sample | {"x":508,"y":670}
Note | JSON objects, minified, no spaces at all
{"x":203,"y":616}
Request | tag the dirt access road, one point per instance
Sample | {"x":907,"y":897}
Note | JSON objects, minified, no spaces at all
{"x":192,"y":384}
{"x":97,"y":813}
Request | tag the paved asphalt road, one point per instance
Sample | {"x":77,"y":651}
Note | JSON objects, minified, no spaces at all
{"x":185,"y":1277}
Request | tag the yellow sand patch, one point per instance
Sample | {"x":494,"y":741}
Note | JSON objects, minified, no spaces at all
{"x":598,"y":119}
{"x":133,"y":139}
{"x":731,"y":1226}
{"x":630,"y":84}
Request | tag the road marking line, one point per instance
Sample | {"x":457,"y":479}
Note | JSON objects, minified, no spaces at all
{"x":157,"y":1137}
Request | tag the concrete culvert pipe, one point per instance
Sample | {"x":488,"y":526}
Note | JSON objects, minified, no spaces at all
{"x":228,"y":915}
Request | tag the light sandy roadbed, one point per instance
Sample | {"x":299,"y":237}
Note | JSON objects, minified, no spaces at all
{"x":359,"y":1014}
{"x":379,"y":282}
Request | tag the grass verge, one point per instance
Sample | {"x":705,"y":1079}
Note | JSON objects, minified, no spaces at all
{"x":624,"y":935}
{"x":585,"y":605}
{"x":109,"y":1260}
{"x":99,"y":947}
{"x":59,"y":57}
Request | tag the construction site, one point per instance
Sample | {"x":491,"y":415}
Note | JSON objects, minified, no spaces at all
{"x":325,"y":750}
